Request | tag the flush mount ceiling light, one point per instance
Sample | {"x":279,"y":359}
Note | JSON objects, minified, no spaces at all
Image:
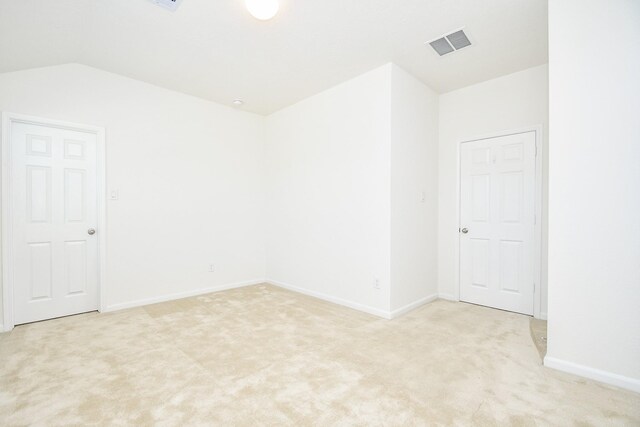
{"x":238,"y":102}
{"x":262,"y":9}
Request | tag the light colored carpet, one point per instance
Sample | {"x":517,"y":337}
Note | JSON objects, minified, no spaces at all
{"x":538,"y":330}
{"x":265,"y":356}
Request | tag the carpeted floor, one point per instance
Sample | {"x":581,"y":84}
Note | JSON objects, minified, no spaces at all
{"x":265,"y":356}
{"x":538,"y":329}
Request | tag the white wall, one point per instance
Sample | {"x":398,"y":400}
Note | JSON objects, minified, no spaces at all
{"x":340,"y":174}
{"x":414,"y":173}
{"x":346,"y":170}
{"x":328,"y":204}
{"x":594,"y":200}
{"x":331,"y":221}
{"x":510,"y":102}
{"x":189,"y":175}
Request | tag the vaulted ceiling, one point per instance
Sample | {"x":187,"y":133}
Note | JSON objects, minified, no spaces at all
{"x":215,"y":50}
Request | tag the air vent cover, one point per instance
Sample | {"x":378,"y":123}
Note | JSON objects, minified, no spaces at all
{"x":172,"y":5}
{"x":450,"y":42}
{"x":458,"y":40}
{"x":441,"y":46}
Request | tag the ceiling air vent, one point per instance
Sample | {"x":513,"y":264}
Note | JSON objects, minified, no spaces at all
{"x":450,"y":42}
{"x":172,"y":5}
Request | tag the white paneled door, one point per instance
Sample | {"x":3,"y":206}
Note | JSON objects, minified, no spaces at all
{"x":497,"y":222}
{"x":53,"y":222}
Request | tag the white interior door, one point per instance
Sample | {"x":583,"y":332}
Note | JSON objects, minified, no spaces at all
{"x":497,"y":222}
{"x":54,"y":217}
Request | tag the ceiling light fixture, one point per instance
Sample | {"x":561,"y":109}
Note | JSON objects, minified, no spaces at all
{"x":262,"y":9}
{"x":238,"y":102}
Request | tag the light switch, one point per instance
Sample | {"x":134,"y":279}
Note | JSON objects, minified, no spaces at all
{"x":113,"y":195}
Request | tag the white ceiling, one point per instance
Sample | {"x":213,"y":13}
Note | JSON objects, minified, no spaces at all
{"x":214,"y":49}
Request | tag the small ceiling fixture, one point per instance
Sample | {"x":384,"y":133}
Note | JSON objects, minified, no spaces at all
{"x":450,"y":42}
{"x":238,"y":102}
{"x":262,"y":9}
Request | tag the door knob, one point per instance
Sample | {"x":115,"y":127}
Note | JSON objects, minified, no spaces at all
{"x":91,"y":231}
{"x":465,"y":230}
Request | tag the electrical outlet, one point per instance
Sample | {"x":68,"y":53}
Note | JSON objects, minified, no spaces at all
{"x":376,"y":284}
{"x":212,"y":268}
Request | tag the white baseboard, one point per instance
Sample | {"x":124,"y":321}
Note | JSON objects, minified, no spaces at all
{"x":447,"y":297}
{"x":617,"y":380}
{"x":354,"y":305}
{"x":412,"y":306}
{"x":179,"y":295}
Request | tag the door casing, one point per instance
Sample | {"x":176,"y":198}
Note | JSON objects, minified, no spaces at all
{"x":537,"y":240}
{"x":7,"y":210}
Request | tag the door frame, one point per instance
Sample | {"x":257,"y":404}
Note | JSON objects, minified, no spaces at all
{"x":538,"y":202}
{"x":8,"y":119}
